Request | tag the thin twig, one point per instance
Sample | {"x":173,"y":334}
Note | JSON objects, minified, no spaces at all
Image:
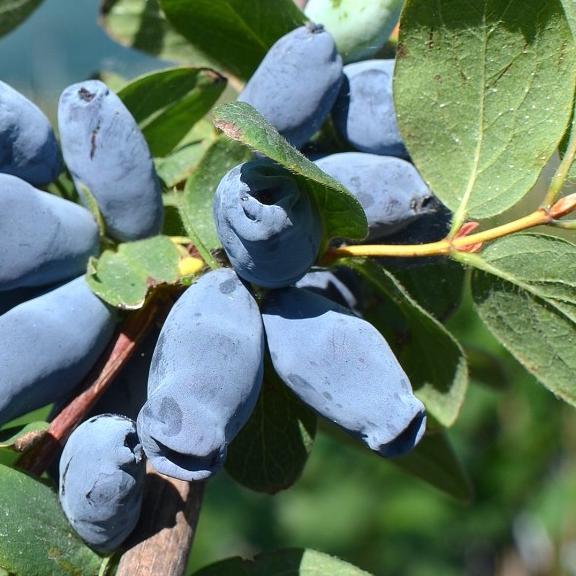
{"x":561,"y":173}
{"x":540,"y":217}
{"x":161,"y":542}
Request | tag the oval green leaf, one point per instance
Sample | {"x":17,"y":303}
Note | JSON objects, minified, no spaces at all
{"x":524,"y":289}
{"x":14,"y":12}
{"x":235,"y":34}
{"x":123,"y":277}
{"x":141,"y":24}
{"x":167,"y":104}
{"x":483,"y":94}
{"x":196,"y":201}
{"x":341,"y":213}
{"x":36,"y":537}
{"x":295,"y":562}
{"x":177,"y":167}
{"x":270,"y":452}
{"x":438,"y":287}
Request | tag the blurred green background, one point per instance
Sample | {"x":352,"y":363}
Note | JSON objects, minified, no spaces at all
{"x":516,"y":440}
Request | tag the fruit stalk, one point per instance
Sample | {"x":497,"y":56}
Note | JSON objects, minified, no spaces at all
{"x":163,"y":537}
{"x":561,"y":173}
{"x":539,"y":217}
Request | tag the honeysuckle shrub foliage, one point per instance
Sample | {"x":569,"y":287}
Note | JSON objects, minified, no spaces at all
{"x":484,"y":97}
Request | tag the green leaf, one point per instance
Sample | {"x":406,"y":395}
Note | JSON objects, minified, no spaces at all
{"x":172,"y":225}
{"x":196,"y":202}
{"x":570,"y":10}
{"x":29,"y":418}
{"x":341,"y":213}
{"x":123,"y":277}
{"x":435,"y":462}
{"x":168,"y":103}
{"x":438,"y":287}
{"x":36,"y":537}
{"x":14,"y":12}
{"x":292,"y":562}
{"x":11,"y":437}
{"x":141,"y":24}
{"x":179,"y":165}
{"x":483,"y":95}
{"x":565,"y":142}
{"x":524,"y":289}
{"x":94,"y":208}
{"x":430,"y":355}
{"x":271,"y":451}
{"x":235,"y":34}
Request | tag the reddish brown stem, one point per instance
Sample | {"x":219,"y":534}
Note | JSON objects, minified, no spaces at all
{"x":134,"y":328}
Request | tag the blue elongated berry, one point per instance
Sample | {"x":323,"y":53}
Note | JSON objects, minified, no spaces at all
{"x":102,"y":471}
{"x":390,"y":189}
{"x":48,"y":345}
{"x":106,"y":152}
{"x":205,"y":377}
{"x":342,"y":367}
{"x":297,"y":82}
{"x":268,"y":226}
{"x":43,"y":238}
{"x":364,"y":114}
{"x":28,"y":147}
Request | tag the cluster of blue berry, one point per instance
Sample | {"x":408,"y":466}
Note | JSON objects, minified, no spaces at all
{"x":207,"y":367}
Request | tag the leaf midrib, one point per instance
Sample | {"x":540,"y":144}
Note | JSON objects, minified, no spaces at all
{"x":463,"y":208}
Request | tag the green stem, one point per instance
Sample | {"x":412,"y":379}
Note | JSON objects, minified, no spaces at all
{"x":62,"y":191}
{"x":203,"y":250}
{"x":561,"y":173}
{"x":564,"y":224}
